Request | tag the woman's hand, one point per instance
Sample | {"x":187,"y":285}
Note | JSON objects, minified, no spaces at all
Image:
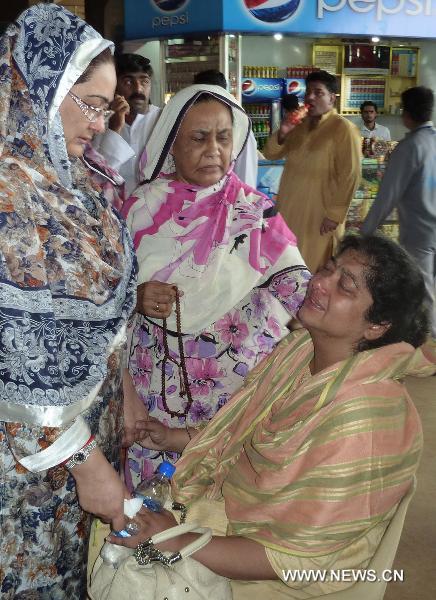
{"x":149,"y":523}
{"x":100,"y":490}
{"x":135,"y":413}
{"x":157,"y":436}
{"x":156,"y":299}
{"x":235,"y":557}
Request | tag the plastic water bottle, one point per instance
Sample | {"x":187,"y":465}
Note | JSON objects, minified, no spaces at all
{"x":155,"y":491}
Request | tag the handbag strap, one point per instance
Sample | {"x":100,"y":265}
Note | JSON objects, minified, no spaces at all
{"x":197,"y":544}
{"x":146,"y":552}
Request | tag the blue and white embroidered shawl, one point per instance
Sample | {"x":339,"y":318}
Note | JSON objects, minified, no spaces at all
{"x":67,"y":273}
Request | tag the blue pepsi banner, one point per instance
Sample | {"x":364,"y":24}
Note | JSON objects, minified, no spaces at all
{"x":295,"y":86}
{"x":404,"y":18}
{"x":259,"y":89}
{"x":172,"y":18}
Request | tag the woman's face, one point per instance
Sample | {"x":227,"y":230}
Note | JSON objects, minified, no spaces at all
{"x":202,"y":150}
{"x":98,"y":92}
{"x":337,"y":302}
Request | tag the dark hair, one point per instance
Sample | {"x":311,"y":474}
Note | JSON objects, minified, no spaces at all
{"x":290,"y":102}
{"x":397,"y":287}
{"x":104,"y":57}
{"x":211,"y":77}
{"x":324,"y":77}
{"x":368,"y":103}
{"x":207,"y":97}
{"x":418,"y":103}
{"x":132,"y":63}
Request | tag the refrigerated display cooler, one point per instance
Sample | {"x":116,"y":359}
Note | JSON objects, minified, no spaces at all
{"x":182,"y":58}
{"x":261,"y":99}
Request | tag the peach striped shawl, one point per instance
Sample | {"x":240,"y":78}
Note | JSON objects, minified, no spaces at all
{"x":308,"y":464}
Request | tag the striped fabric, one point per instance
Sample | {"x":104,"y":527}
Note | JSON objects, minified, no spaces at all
{"x":309,"y":464}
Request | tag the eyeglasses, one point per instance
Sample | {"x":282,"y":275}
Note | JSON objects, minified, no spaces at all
{"x":92,"y":113}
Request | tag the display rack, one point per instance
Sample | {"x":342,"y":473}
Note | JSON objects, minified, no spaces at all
{"x":403,"y":75}
{"x":358,"y":88}
{"x":372,"y":173}
{"x":382,"y":86}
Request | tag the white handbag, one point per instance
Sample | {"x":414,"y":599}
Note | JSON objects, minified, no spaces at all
{"x":152,"y":575}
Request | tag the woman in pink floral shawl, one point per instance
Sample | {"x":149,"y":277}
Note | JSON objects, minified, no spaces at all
{"x":240,"y":276}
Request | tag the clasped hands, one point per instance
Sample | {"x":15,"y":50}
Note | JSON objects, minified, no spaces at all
{"x":145,"y":430}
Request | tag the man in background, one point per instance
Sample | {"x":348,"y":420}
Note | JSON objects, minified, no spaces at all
{"x":409,"y":184}
{"x":321,"y":173}
{"x":370,"y":128}
{"x":129,"y":129}
{"x":246,"y":163}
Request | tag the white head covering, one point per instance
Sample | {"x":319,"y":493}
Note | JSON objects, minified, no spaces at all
{"x":165,"y":132}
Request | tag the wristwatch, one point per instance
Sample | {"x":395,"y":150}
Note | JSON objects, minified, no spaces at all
{"x":81,"y":455}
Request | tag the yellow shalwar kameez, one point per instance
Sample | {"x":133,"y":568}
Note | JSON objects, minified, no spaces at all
{"x":321,"y":174}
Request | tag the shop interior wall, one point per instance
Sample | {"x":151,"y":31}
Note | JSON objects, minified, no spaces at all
{"x":263,"y":50}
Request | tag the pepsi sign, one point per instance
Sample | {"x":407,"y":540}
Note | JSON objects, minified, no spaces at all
{"x":259,"y":89}
{"x":272,"y":11}
{"x":394,"y":18}
{"x":295,"y":86}
{"x":388,"y":18}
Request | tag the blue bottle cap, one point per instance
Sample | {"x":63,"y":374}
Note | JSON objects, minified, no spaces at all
{"x":166,"y":468}
{"x":122,"y":533}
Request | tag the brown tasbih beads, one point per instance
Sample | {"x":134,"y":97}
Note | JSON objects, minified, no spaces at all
{"x":181,"y":365}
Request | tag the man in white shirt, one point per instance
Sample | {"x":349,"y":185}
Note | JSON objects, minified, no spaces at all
{"x":129,"y":129}
{"x":246,"y":163}
{"x":371,"y":129}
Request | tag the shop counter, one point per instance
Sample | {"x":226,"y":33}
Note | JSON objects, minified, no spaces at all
{"x":372,"y":173}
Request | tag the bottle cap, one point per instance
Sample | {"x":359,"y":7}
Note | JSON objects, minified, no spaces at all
{"x":166,"y":468}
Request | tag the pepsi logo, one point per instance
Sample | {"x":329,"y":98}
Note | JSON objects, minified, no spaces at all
{"x":248,"y":87}
{"x":272,"y":11}
{"x":169,"y":5}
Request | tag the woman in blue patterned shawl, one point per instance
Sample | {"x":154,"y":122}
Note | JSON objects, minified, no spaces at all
{"x":67,"y":280}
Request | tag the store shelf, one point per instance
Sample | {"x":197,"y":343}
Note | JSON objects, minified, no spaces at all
{"x":392,"y":74}
{"x":182,"y":59}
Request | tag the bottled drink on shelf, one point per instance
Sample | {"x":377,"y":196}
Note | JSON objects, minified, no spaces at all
{"x":155,"y":491}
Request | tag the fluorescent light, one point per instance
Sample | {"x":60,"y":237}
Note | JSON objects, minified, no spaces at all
{"x":375,"y":39}
{"x":278,"y":36}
